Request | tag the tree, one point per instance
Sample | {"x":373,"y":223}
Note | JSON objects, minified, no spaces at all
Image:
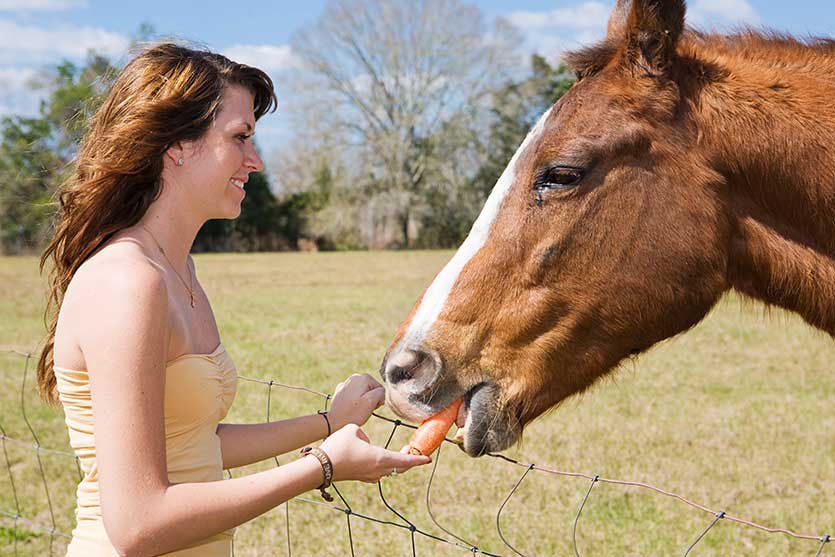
{"x":391,"y":76}
{"x":35,"y":151}
{"x":516,"y":108}
{"x":27,"y":166}
{"x":250,"y":230}
{"x":266,"y":223}
{"x":455,"y":198}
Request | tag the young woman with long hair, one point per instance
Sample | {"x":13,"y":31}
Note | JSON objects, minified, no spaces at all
{"x":133,"y":352}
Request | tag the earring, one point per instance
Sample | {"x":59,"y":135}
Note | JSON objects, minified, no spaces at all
{"x":180,"y":162}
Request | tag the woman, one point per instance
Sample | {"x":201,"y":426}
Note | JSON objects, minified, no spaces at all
{"x":133,"y":351}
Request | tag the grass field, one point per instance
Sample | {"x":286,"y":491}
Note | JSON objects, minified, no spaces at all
{"x":736,"y":414}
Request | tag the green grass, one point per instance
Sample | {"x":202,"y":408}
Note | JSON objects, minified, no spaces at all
{"x":736,"y":415}
{"x":8,"y":535}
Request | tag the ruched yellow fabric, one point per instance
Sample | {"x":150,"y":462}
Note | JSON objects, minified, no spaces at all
{"x":199,"y":389}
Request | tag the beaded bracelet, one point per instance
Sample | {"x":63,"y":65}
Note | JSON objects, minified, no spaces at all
{"x":327,"y":468}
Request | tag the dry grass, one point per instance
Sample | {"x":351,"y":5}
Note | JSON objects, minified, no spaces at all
{"x":736,"y":414}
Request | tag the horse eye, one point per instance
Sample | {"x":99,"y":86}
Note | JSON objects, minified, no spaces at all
{"x":559,"y":177}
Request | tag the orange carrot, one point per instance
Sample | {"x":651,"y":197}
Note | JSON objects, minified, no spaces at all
{"x":431,"y":433}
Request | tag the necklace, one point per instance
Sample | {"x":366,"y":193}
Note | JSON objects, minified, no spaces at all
{"x":190,"y":285}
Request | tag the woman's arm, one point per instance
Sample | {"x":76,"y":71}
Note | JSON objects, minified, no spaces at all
{"x":353,"y":402}
{"x":243,"y":444}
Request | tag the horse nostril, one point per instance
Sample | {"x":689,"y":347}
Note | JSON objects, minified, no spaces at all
{"x":405,"y":365}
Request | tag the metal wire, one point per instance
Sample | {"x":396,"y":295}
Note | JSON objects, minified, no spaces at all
{"x":594,"y":480}
{"x":824,"y":540}
{"x":429,"y":502}
{"x":719,"y":516}
{"x":501,"y":508}
{"x":405,"y":524}
{"x":286,"y":504}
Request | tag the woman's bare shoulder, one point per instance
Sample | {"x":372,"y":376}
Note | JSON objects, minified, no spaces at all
{"x":118,"y":287}
{"x":122,"y":266}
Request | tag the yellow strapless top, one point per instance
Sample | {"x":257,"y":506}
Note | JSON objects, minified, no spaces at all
{"x":199,"y":389}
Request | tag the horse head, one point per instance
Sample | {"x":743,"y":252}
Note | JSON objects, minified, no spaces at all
{"x":611,"y":229}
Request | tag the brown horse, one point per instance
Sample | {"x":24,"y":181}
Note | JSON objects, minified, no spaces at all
{"x":680,"y":165}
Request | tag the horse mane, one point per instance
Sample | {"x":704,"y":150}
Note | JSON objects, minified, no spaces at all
{"x":749,"y":39}
{"x":760,"y":46}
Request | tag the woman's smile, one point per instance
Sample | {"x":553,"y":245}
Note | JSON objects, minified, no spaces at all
{"x":238,"y":184}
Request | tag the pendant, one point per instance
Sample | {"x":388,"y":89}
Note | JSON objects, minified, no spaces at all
{"x":193,"y":304}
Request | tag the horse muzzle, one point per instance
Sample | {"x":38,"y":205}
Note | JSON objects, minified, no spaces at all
{"x":418,"y":386}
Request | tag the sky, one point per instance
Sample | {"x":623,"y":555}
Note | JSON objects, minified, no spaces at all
{"x":38,"y":33}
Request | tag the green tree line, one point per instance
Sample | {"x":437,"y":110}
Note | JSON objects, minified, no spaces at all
{"x":405,"y":158}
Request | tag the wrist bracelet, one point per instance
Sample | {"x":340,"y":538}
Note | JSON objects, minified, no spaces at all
{"x":324,"y":414}
{"x":327,"y":468}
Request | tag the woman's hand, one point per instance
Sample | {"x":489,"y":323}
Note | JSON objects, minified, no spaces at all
{"x":355,"y":458}
{"x":354,"y":400}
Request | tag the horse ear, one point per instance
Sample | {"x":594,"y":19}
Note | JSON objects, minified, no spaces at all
{"x":651,"y":30}
{"x":617,"y":20}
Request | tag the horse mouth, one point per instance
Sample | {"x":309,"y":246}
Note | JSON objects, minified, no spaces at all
{"x":484,"y":426}
{"x":487,"y":426}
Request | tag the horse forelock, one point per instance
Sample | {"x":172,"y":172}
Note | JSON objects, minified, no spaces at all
{"x":434,"y":299}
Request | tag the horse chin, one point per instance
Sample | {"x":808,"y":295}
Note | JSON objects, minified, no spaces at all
{"x":488,"y":428}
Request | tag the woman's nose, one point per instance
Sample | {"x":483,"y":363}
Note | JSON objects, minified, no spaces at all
{"x":253,"y":160}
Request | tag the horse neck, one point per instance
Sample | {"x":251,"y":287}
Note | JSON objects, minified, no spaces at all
{"x":769,"y":132}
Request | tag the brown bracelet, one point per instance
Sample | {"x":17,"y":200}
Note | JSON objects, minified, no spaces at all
{"x":327,"y":468}
{"x":324,"y":414}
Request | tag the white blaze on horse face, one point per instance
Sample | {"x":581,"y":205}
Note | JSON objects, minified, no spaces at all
{"x":436,"y":295}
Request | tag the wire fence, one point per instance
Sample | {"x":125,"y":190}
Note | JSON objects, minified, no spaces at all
{"x":45,"y":520}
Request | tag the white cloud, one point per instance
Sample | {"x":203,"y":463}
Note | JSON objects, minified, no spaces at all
{"x":588,"y":15}
{"x":15,"y":77}
{"x":718,"y":12}
{"x":270,"y":58}
{"x":27,"y":44}
{"x":15,"y":95}
{"x":40,"y":5}
{"x":552,"y":32}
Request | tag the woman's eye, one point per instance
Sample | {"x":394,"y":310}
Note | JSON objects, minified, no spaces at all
{"x":559,"y":178}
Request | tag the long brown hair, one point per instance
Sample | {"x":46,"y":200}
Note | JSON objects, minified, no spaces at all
{"x":167,"y":93}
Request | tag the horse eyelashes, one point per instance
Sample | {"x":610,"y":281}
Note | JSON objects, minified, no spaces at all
{"x":558,"y":178}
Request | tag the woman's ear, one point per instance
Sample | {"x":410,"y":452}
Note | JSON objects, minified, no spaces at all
{"x":176,"y":152}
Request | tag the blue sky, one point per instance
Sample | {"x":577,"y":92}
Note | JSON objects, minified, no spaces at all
{"x":35,"y":33}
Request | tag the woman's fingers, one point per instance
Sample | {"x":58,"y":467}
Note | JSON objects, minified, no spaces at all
{"x":375,"y":396}
{"x":375,"y":393}
{"x":395,"y":464}
{"x":402,"y":462}
{"x":361,"y":434}
{"x":358,"y":383}
{"x":372,"y":383}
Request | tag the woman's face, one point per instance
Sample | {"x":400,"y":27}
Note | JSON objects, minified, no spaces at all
{"x":218,"y":165}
